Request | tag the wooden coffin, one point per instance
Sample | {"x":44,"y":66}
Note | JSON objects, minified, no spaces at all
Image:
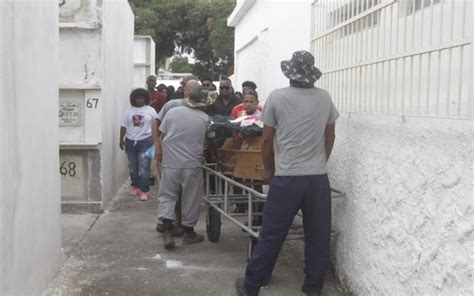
{"x":242,"y":158}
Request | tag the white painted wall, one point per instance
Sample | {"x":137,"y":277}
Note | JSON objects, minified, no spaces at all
{"x":406,"y":225}
{"x":96,"y":57}
{"x":144,"y":60}
{"x":30,"y":226}
{"x":269,"y":32}
{"x":117,"y":63}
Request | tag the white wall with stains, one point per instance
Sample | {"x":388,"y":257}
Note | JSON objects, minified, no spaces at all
{"x":30,"y":225}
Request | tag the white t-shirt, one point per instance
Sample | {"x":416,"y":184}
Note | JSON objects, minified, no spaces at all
{"x":137,"y":122}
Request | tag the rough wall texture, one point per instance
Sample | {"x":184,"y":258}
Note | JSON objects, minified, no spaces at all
{"x":30,"y":225}
{"x":80,"y":11}
{"x":117,"y":63}
{"x":406,"y":225}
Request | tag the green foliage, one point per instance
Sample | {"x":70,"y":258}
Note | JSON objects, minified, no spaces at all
{"x":181,"y":64}
{"x":196,"y":27}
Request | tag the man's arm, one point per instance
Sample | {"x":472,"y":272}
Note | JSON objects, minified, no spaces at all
{"x":268,"y":154}
{"x":329,"y":137}
{"x":122,"y":137}
{"x":155,"y":131}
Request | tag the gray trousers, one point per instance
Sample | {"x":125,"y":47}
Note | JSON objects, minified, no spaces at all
{"x":187,"y":183}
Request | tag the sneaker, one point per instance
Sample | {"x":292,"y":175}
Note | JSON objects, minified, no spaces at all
{"x":240,"y":287}
{"x":306,"y":292}
{"x":168,"y":241}
{"x":192,"y":238}
{"x":143,"y":196}
{"x":134,"y":191}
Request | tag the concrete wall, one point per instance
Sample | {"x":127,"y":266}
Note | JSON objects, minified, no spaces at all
{"x":406,"y":225}
{"x":269,"y":32}
{"x":96,"y":57}
{"x":30,"y":226}
{"x":117,"y":66}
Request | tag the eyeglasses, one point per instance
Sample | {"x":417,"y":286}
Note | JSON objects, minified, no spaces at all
{"x":224,"y":87}
{"x":206,"y":84}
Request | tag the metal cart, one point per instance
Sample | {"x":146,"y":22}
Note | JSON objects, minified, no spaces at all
{"x":222,"y":201}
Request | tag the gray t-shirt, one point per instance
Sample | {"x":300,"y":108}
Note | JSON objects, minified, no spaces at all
{"x":185,"y":132}
{"x":299,"y":116}
{"x":167,"y":107}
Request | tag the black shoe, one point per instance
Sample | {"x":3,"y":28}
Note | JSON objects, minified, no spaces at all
{"x":303,"y":288}
{"x":160,"y":228}
{"x":192,"y":238}
{"x":168,"y":241}
{"x":240,"y":287}
{"x":177,"y":231}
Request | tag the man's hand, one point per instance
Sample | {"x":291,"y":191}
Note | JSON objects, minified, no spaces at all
{"x":268,"y":176}
{"x":122,"y":144}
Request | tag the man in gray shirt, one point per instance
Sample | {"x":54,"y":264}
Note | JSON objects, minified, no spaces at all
{"x":182,"y":144}
{"x":300,"y":121}
{"x":189,"y":85}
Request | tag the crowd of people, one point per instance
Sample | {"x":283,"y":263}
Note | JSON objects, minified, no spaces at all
{"x":298,"y":120}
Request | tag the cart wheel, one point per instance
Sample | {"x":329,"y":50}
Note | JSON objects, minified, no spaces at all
{"x":213,"y":224}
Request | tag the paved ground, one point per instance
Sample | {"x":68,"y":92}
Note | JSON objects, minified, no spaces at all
{"x":120,"y":253}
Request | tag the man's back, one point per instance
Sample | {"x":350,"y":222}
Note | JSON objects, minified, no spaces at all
{"x":299,"y":116}
{"x":185,"y":131}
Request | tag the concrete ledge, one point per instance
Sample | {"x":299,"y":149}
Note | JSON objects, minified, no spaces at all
{"x":79,"y":86}
{"x":81,"y":25}
{"x":79,"y":146}
{"x":74,"y":207}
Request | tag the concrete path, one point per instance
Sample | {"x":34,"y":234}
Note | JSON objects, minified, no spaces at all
{"x":122,"y":254}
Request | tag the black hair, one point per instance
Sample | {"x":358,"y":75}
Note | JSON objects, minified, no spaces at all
{"x":238,"y":93}
{"x":206,"y":79}
{"x":137,"y":93}
{"x":252,"y":93}
{"x":161,"y":87}
{"x":226,"y":79}
{"x":250,"y":84}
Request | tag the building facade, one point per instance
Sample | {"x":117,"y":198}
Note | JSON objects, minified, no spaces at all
{"x":96,"y":48}
{"x":267,"y":32}
{"x":400,"y":73}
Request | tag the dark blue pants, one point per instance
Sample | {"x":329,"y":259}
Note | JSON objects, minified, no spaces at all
{"x":139,"y":163}
{"x":286,"y":196}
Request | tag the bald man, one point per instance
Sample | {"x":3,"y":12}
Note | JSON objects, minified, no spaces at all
{"x":188,"y":87}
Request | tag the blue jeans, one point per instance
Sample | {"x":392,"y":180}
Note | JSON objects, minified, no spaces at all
{"x":139,"y":163}
{"x":286,"y":196}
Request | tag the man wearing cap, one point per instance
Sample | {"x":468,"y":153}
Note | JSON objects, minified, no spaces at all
{"x":301,"y":118}
{"x":182,"y":144}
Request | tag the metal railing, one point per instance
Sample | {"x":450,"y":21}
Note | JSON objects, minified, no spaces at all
{"x":406,"y":57}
